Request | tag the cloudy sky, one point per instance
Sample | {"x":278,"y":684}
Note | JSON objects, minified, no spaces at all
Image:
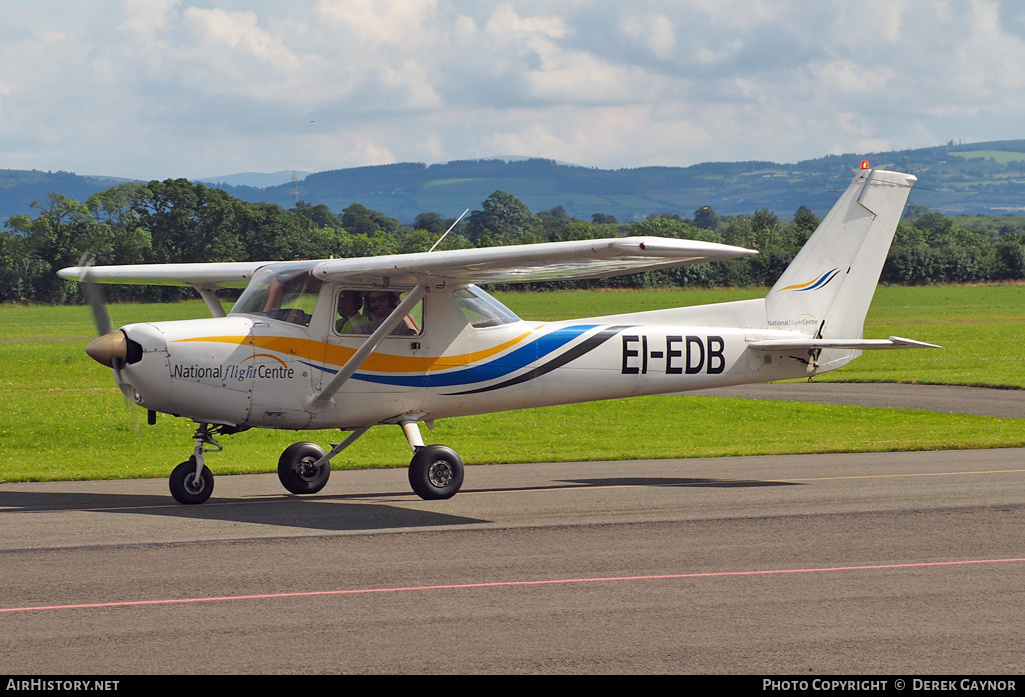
{"x":152,"y":89}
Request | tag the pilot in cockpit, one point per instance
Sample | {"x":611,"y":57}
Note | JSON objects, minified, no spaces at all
{"x":381,"y":304}
{"x":350,"y":311}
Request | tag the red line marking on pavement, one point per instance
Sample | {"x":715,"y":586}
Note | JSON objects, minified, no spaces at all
{"x":495,"y":584}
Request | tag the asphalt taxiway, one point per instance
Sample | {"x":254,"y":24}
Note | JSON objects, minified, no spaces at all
{"x":883,"y":563}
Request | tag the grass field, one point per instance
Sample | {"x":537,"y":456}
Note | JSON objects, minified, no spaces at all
{"x":62,"y":418}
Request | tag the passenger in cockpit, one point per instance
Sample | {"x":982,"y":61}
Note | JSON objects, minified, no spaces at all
{"x":381,"y":304}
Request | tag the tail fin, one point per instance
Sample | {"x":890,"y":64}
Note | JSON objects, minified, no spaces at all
{"x":826,"y":290}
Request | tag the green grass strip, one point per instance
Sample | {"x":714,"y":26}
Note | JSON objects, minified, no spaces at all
{"x":93,"y":433}
{"x":61,"y":417}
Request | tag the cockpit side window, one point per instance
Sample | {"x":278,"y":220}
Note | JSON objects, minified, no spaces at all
{"x":285,"y":294}
{"x":362,"y":312}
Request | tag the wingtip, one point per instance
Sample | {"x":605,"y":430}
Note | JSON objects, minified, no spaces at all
{"x":72,"y":273}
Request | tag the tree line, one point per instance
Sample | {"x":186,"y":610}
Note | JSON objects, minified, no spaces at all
{"x":177,"y":220}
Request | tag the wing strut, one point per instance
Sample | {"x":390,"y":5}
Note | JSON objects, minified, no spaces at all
{"x":209,"y":296}
{"x":339,"y":447}
{"x":322,"y":400}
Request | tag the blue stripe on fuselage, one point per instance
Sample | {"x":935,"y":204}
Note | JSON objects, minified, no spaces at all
{"x":496,"y":368}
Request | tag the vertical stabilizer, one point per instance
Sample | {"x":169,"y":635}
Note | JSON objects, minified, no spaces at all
{"x":826,"y":290}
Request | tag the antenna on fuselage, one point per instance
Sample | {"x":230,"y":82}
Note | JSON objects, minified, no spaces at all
{"x":448,"y":231}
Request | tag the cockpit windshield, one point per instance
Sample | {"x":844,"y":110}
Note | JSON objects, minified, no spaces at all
{"x":285,"y":292}
{"x":482,"y":310}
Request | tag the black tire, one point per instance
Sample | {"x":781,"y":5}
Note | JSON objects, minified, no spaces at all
{"x":185,"y":488}
{"x":296,"y":470}
{"x":435,"y":472}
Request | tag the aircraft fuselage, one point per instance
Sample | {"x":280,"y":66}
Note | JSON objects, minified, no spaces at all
{"x":251,"y":371}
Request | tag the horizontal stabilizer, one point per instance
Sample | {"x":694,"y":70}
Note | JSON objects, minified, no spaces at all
{"x":894,"y":342}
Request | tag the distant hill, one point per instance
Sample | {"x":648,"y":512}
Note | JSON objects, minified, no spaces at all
{"x":255,"y":179}
{"x":19,"y":188}
{"x":954,"y":179}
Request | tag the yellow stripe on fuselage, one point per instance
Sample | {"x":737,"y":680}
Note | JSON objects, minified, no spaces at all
{"x":323,"y":352}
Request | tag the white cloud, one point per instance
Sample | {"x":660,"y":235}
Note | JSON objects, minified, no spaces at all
{"x":155,"y":88}
{"x":376,"y":22}
{"x":505,"y":22}
{"x":987,"y":56}
{"x":229,"y":52}
{"x":145,"y":18}
{"x":655,"y":34}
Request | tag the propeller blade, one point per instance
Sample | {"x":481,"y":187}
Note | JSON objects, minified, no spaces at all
{"x":94,"y":296}
{"x":110,"y":348}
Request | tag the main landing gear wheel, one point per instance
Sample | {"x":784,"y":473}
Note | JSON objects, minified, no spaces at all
{"x":186,"y":487}
{"x":296,"y":470}
{"x":435,"y":472}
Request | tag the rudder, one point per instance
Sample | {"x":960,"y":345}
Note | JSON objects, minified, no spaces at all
{"x":827,"y":289}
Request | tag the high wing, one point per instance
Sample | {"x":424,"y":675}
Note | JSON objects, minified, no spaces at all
{"x":231,"y":274}
{"x":529,"y":262}
{"x":511,"y":264}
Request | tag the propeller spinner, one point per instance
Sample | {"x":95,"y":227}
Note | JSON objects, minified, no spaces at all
{"x":111,"y":348}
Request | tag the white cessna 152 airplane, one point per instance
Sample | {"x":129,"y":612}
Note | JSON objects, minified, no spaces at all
{"x":283,"y":358}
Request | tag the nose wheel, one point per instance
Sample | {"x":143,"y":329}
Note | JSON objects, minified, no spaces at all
{"x":192,"y":482}
{"x":189,"y":487}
